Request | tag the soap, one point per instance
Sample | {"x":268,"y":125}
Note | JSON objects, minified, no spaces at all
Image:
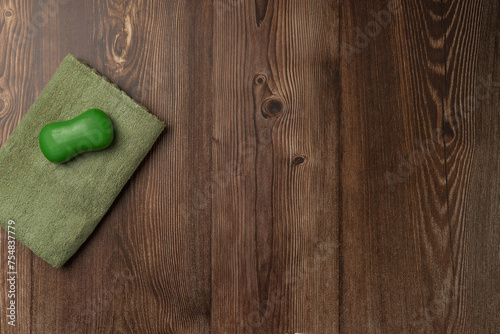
{"x":90,"y":131}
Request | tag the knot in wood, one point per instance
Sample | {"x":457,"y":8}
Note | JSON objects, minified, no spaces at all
{"x":272,"y":107}
{"x":298,"y":160}
{"x":259,"y":79}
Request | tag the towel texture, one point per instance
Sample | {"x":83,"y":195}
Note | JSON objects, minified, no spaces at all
{"x":57,"y":206}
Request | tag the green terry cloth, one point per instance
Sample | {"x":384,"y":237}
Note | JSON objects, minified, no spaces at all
{"x":56,"y":207}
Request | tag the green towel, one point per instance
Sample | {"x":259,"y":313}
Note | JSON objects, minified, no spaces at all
{"x":56,"y":207}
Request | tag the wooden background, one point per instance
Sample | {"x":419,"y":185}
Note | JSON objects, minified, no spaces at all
{"x":330,"y":166}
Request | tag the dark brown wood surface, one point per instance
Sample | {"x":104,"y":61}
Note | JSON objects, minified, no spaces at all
{"x":328,"y":167}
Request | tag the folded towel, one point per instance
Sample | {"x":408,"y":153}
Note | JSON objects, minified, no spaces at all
{"x":56,"y":207}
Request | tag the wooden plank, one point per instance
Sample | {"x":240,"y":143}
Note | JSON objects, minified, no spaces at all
{"x":75,"y":298}
{"x":275,"y":206}
{"x":472,"y":104}
{"x":145,"y":268}
{"x":17,"y":93}
{"x":164,"y":233}
{"x":396,"y":256}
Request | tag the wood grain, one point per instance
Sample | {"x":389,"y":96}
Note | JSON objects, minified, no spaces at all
{"x":17,"y":90}
{"x":70,"y":300}
{"x":329,"y":166}
{"x":395,"y":241}
{"x":472,"y":105}
{"x":274,"y":132}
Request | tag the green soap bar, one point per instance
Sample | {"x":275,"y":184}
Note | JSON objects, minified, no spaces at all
{"x":90,"y":131}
